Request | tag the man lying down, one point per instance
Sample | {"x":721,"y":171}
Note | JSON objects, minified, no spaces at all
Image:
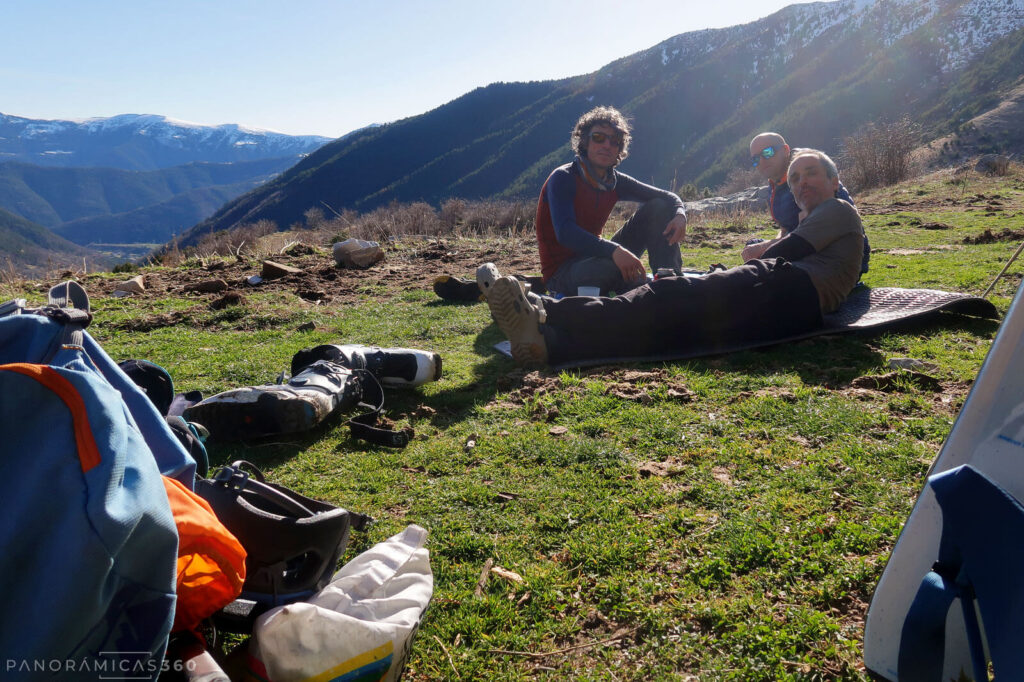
{"x":785,"y":292}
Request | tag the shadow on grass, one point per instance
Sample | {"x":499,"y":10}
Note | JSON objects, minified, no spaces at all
{"x":829,"y":361}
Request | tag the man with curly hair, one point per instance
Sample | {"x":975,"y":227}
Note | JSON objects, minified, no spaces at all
{"x":782,"y":294}
{"x":577,"y":199}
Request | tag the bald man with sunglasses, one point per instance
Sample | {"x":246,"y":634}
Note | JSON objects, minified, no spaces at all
{"x":770,"y":155}
{"x":801,"y":277}
{"x":574,"y":206}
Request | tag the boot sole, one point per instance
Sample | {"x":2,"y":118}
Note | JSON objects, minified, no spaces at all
{"x":519,"y":320}
{"x":271,"y":414}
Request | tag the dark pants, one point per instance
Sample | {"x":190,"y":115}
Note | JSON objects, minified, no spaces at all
{"x":642,"y":232}
{"x":758,"y":301}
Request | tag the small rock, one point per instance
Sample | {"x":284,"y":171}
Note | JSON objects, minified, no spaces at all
{"x":135,"y":285}
{"x":306,"y":327}
{"x":272,"y":270}
{"x":357,"y":253}
{"x":254,"y":280}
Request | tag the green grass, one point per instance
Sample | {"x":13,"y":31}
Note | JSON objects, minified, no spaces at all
{"x":724,"y":518}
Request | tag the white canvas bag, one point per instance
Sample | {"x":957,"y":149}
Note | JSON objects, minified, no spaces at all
{"x":361,"y":624}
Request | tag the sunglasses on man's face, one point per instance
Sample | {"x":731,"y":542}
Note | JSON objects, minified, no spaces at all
{"x":767,"y":152}
{"x":600,"y":138}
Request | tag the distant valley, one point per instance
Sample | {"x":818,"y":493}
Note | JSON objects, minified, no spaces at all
{"x":118,"y":187}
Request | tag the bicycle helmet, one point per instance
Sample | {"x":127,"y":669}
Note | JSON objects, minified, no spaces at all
{"x":293,"y":542}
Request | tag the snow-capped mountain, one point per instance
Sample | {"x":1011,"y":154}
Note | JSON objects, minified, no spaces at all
{"x":141,"y":142}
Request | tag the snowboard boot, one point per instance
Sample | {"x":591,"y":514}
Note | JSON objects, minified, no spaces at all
{"x":304,"y":402}
{"x":393,"y":367}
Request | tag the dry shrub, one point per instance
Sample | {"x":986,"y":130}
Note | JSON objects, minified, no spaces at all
{"x":315,"y":219}
{"x":453,"y":212}
{"x":275,"y":243}
{"x":11,"y":276}
{"x":396,"y":220}
{"x":455,"y":216}
{"x":740,"y":179}
{"x":383,"y":224}
{"x":496,"y":215}
{"x":879,"y":154}
{"x":235,"y":241}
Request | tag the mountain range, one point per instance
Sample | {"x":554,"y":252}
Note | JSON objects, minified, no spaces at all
{"x":814,"y":72}
{"x":141,"y":142}
{"x":127,"y":183}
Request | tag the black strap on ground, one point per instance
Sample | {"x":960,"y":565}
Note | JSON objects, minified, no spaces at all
{"x":365,"y":426}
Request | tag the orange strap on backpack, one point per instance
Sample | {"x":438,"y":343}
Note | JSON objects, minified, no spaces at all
{"x":211,"y":561}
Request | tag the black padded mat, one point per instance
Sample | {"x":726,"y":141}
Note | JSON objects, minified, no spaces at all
{"x":864,"y":308}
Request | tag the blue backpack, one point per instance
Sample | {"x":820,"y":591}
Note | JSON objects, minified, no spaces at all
{"x":89,"y":540}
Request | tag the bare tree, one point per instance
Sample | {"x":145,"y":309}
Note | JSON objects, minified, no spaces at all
{"x":879,"y":153}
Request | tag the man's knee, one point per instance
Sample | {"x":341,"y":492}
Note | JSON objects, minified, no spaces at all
{"x":656,"y":212}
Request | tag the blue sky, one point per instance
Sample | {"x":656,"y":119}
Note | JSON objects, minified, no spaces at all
{"x":315,"y":66}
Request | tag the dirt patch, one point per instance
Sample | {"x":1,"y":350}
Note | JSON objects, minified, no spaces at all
{"x":409,"y":265}
{"x":988,"y":237}
{"x":229,"y":299}
{"x":892,"y":381}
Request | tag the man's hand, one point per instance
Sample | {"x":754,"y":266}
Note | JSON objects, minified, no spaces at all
{"x":675,"y":231}
{"x":754,"y":251}
{"x":629,"y":265}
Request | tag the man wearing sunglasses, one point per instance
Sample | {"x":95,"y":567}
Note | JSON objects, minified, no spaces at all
{"x":770,"y":155}
{"x":802,"y":276}
{"x":575,"y":203}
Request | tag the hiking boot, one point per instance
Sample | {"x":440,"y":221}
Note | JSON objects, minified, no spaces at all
{"x":456,"y":289}
{"x":486,"y":275}
{"x":393,"y":367}
{"x":519,"y":318}
{"x":299,"y":405}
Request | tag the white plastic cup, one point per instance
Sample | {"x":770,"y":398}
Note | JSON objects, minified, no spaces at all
{"x":588,"y":291}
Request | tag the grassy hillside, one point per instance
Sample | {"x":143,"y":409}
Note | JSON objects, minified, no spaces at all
{"x":722,"y":518}
{"x":155,"y":223}
{"x":30,"y":249}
